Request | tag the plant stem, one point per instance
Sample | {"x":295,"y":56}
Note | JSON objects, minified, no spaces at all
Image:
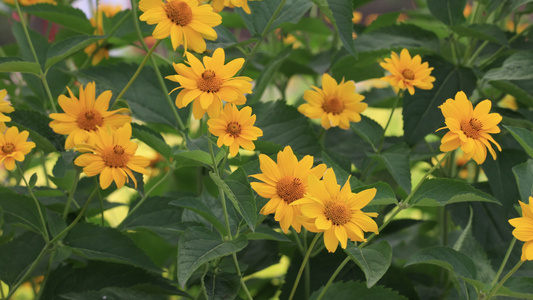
{"x":504,"y":262}
{"x":333,"y":276}
{"x":32,"y":267}
{"x":396,"y":100}
{"x":71,"y":194}
{"x":304,"y":263}
{"x":43,"y":224}
{"x":425,"y":177}
{"x":504,"y":279}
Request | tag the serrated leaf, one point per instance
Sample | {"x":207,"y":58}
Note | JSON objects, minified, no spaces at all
{"x":17,"y":255}
{"x":20,"y":210}
{"x":68,"y":16}
{"x":37,"y":125}
{"x":350,"y":68}
{"x":263,"y":232}
{"x":342,"y":13}
{"x":14,"y":64}
{"x":348,"y":290}
{"x":107,"y":244}
{"x":518,"y":66}
{"x":63,"y":49}
{"x":517,"y":287}
{"x":55,"y":223}
{"x":447,"y":258}
{"x":40,"y":45}
{"x":198,"y":245}
{"x":384,"y":194}
{"x":222,"y":286}
{"x":524,"y":138}
{"x":443,"y":191}
{"x":523,"y":174}
{"x":396,"y":160}
{"x":450,"y":12}
{"x":201,"y":209}
{"x":374,"y":260}
{"x":151,"y":138}
{"x":268,"y":74}
{"x":369,"y":130}
{"x":487,"y":32}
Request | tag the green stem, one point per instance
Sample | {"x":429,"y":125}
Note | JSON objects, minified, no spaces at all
{"x":398,"y":96}
{"x":263,"y":35}
{"x":504,"y":279}
{"x":181,"y":126}
{"x":43,"y":224}
{"x":502,"y":48}
{"x":333,"y":276}
{"x":304,"y":263}
{"x":48,"y":92}
{"x":71,"y":194}
{"x":32,"y":267}
{"x":504,"y":262}
{"x":475,"y":55}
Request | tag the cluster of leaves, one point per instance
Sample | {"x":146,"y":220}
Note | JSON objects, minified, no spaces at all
{"x":175,"y":242}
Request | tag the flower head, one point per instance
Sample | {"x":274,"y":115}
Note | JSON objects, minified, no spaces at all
{"x":103,"y":50}
{"x":283,"y":183}
{"x":337,"y":212}
{"x":524,"y":229}
{"x":85,"y":115}
{"x":235,"y":128}
{"x":13,"y":146}
{"x":112,"y":155}
{"x":5,"y":108}
{"x":218,"y":5}
{"x":210,"y":83}
{"x":186,"y":22}
{"x":335,"y":104}
{"x":407,"y":72}
{"x":469,"y":128}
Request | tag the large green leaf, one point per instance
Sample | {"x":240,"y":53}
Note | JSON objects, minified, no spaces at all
{"x":14,"y":64}
{"x":198,"y":245}
{"x":396,"y":160}
{"x":39,"y":42}
{"x":341,"y":17}
{"x":518,"y":66}
{"x":268,"y":74}
{"x":369,"y":130}
{"x":421,"y":113}
{"x":450,"y":12}
{"x":350,"y":68}
{"x":384,"y":194}
{"x":240,"y":188}
{"x":68,"y":16}
{"x":20,"y":210}
{"x":349,"y":290}
{"x":222,"y":285}
{"x":37,"y":124}
{"x":522,"y":90}
{"x":151,"y":138}
{"x":111,"y":293}
{"x":523,"y":174}
{"x":443,"y":191}
{"x":263,"y":232}
{"x":487,"y":32}
{"x":517,"y":287}
{"x":17,"y":255}
{"x":202,"y":210}
{"x":447,"y":258}
{"x":107,"y":244}
{"x":63,"y":49}
{"x":523,"y":136}
{"x":374,"y":260}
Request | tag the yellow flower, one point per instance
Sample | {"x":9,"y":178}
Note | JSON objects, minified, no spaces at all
{"x":284,"y":183}
{"x":109,"y":11}
{"x":524,"y":229}
{"x":235,"y":128}
{"x":210,"y":85}
{"x":185,"y":21}
{"x":112,"y":155}
{"x":337,"y":212}
{"x":469,"y":128}
{"x":407,"y":72}
{"x":30,"y":2}
{"x":5,"y":107}
{"x":218,"y":5}
{"x":85,"y":115}
{"x":335,"y":104}
{"x":357,"y":17}
{"x":13,"y":146}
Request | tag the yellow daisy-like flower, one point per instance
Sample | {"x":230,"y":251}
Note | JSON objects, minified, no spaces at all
{"x":103,"y":52}
{"x":210,"y":83}
{"x":235,"y":128}
{"x":283,"y":183}
{"x":13,"y":146}
{"x":524,"y":229}
{"x":5,"y":108}
{"x":337,"y":212}
{"x":85,"y":115}
{"x":218,"y":5}
{"x":335,"y":104}
{"x":112,"y":155}
{"x":408,"y":73}
{"x":185,"y":21}
{"x":469,"y":128}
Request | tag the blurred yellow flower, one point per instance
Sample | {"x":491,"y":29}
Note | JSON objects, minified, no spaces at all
{"x":31,"y":2}
{"x":408,"y":73}
{"x":218,"y":5}
{"x":335,"y":104}
{"x":13,"y":146}
{"x":5,"y":108}
{"x":284,"y":183}
{"x":524,"y":229}
{"x":469,"y":128}
{"x":109,"y":11}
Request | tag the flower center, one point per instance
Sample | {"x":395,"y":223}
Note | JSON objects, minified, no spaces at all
{"x":408,"y":74}
{"x":333,"y":105}
{"x":209,"y":82}
{"x":90,"y":120}
{"x":290,"y":189}
{"x":338,"y":212}
{"x":179,"y":12}
{"x":471,"y":128}
{"x":115,"y":157}
{"x":234,"y":129}
{"x":8,"y":148}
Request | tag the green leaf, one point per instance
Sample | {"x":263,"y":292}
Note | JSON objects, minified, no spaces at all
{"x":443,"y":191}
{"x":518,"y":66}
{"x":225,"y":39}
{"x":17,"y":255}
{"x":222,"y":286}
{"x":374,"y":260}
{"x":421,"y":113}
{"x":107,"y":244}
{"x":523,"y":174}
{"x":517,"y":287}
{"x":524,"y":138}
{"x":341,"y":13}
{"x":198,"y":245}
{"x":369,"y":130}
{"x":350,"y":68}
{"x":201,"y":209}
{"x":450,"y":12}
{"x":151,"y":138}
{"x":37,"y":124}
{"x":68,"y":16}
{"x":348,"y":290}
{"x":263,"y":232}
{"x":40,"y":45}
{"x":447,"y":258}
{"x":283,"y":125}
{"x":384,"y":194}
{"x":341,"y":174}
{"x":262,"y":12}
{"x":487,"y":32}
{"x":383,"y":20}
{"x":20,"y":210}
{"x":520,"y":89}
{"x":55,"y":223}
{"x":268,"y":74}
{"x":60,"y":50}
{"x":396,"y":160}
{"x":111,"y":293}
{"x":14,"y":64}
